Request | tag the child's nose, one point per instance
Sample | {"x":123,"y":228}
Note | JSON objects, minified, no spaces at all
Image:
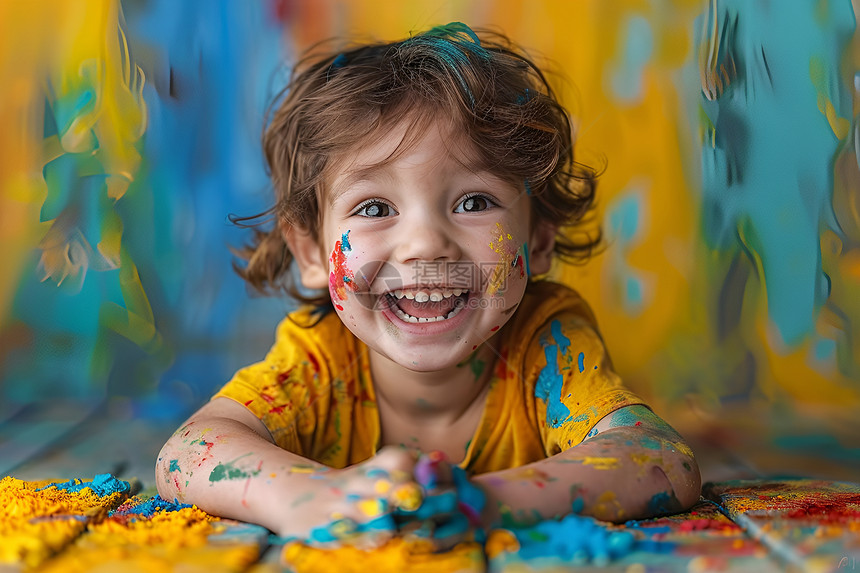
{"x":427,"y":240}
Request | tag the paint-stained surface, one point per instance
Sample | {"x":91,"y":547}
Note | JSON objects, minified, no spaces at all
{"x":753,"y":525}
{"x":82,"y":525}
{"x":803,"y":522}
{"x":729,"y":200}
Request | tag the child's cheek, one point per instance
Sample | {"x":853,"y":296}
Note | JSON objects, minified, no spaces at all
{"x":511,"y":261}
{"x":341,"y":279}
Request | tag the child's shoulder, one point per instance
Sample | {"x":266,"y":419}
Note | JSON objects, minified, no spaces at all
{"x":545,"y":300}
{"x":312,"y":328}
{"x":550,"y":310}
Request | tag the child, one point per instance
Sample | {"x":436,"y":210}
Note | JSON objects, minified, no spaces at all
{"x":424,"y":185}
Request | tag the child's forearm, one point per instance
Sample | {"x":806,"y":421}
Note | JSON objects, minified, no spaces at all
{"x":622,"y":473}
{"x":228,"y":469}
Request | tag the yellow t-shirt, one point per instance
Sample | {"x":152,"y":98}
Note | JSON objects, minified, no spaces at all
{"x":552,"y":383}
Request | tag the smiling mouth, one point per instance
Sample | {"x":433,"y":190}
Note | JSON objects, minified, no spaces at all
{"x":426,"y":305}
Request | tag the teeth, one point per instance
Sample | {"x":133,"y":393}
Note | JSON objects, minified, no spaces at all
{"x":424,"y":295}
{"x":416,"y":320}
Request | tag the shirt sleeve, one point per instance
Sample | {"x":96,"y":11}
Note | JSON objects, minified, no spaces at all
{"x":575,"y":383}
{"x":285,"y":389}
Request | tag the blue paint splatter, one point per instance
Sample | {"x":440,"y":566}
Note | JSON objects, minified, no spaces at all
{"x":344,"y":243}
{"x":628,"y":79}
{"x":560,"y":339}
{"x":581,"y":361}
{"x":150,"y":507}
{"x":345,"y":528}
{"x":549,"y":383}
{"x":766,"y":199}
{"x":576,"y":539}
{"x":452,"y":44}
{"x":174,"y":466}
{"x":663,"y":503}
{"x":102,"y":485}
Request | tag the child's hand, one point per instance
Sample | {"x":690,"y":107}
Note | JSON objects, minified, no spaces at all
{"x":452,"y":508}
{"x":356,"y":505}
{"x":396,"y":493}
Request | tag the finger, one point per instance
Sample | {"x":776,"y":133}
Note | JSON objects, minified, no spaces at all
{"x":471,"y":499}
{"x":441,"y":536}
{"x":432,"y":470}
{"x":434,"y":507}
{"x":406,"y":497}
{"x":396,"y":459}
{"x":344,"y":530}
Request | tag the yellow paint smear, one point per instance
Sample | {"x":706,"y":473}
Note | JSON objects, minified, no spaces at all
{"x":164,"y":541}
{"x":602,"y":463}
{"x":407,"y":496}
{"x":28,"y":540}
{"x":396,"y":556}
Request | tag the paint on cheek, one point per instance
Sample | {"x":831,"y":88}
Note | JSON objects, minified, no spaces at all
{"x":522,"y":261}
{"x":501,"y":245}
{"x":341,"y":278}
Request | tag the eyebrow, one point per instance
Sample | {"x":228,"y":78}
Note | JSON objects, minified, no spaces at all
{"x":357,"y":176}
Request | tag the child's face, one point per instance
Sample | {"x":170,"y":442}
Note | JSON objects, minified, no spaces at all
{"x":426,"y":258}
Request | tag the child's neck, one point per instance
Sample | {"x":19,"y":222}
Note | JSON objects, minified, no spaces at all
{"x":437,"y":410}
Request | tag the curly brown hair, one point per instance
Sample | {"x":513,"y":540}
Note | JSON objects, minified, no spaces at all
{"x":337,"y":100}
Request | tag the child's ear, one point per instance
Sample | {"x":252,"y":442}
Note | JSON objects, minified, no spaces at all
{"x":308,"y":255}
{"x":540,"y":248}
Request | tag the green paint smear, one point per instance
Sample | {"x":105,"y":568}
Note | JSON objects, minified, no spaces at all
{"x":303,"y":499}
{"x":229,"y":471}
{"x":477,"y":368}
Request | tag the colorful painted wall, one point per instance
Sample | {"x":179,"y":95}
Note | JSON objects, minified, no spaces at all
{"x":730,"y":199}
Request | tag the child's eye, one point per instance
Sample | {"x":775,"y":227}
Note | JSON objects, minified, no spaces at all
{"x":374,"y":208}
{"x":474,"y":204}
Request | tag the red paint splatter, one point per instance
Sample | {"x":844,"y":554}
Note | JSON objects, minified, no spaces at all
{"x":337,"y":306}
{"x":495,"y":328}
{"x":829,"y":513}
{"x":638,"y":424}
{"x":278,"y":409}
{"x":341,"y":278}
{"x":267,"y":398}
{"x":711,"y":524}
{"x":520,"y":265}
{"x":314,"y":362}
{"x":248,"y":403}
{"x":474,"y":347}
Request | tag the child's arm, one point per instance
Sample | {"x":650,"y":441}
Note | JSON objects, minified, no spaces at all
{"x":635,"y":466}
{"x":224,"y":460}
